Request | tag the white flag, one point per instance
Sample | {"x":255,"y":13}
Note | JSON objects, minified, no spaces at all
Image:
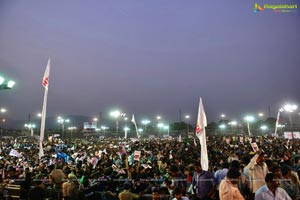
{"x":133,"y":121}
{"x":200,"y":133}
{"x":45,"y":84}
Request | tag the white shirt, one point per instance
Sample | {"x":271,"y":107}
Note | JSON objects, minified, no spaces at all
{"x":263,"y":193}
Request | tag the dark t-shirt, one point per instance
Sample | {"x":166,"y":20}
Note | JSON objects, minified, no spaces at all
{"x":37,"y":193}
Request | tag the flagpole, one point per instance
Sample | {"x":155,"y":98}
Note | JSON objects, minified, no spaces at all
{"x":277,"y":122}
{"x":45,"y":84}
{"x":42,"y":131}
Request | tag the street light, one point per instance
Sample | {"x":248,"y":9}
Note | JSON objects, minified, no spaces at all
{"x":263,"y":127}
{"x":260,"y":114}
{"x":223,"y":116}
{"x":166,"y":127}
{"x":95,"y":120}
{"x":249,"y":119}
{"x":62,"y":121}
{"x":145,"y":122}
{"x":187,"y":117}
{"x":71,"y":128}
{"x":6,"y":84}
{"x":288,"y":108}
{"x":30,"y":127}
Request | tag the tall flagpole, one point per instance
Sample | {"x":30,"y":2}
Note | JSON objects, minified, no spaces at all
{"x":136,"y":129}
{"x":45,"y":84}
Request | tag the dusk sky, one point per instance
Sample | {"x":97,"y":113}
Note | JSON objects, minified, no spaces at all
{"x":149,"y":57}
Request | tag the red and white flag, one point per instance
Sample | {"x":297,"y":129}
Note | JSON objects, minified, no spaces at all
{"x":45,"y":82}
{"x":200,"y":133}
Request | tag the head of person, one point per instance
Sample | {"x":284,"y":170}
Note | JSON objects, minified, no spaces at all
{"x":233,"y":175}
{"x":276,"y":169}
{"x":286,"y":170}
{"x":177,"y":193}
{"x":272,"y":181}
{"x":155,"y":194}
{"x":197,"y":167}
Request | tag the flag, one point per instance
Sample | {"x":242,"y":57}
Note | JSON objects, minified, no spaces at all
{"x":200,"y":133}
{"x":277,"y":122}
{"x":133,"y":121}
{"x":45,"y":84}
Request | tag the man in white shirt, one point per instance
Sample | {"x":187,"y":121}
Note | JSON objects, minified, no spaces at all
{"x":256,"y":171}
{"x":271,"y":190}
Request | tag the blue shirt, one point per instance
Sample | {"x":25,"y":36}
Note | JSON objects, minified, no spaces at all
{"x":202,"y":183}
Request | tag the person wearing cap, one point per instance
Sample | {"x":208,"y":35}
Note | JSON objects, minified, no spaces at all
{"x":256,"y":171}
{"x":271,"y":190}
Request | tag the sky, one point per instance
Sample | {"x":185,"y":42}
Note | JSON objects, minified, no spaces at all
{"x":149,"y":57}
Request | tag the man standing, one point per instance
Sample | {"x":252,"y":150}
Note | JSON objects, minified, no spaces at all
{"x":203,"y":183}
{"x":256,"y":171}
{"x":271,"y":190}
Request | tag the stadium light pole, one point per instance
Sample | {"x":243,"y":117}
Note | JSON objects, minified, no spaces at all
{"x":62,"y":121}
{"x":2,"y":110}
{"x":116,"y":114}
{"x":30,"y":128}
{"x":145,"y":122}
{"x":288,"y":108}
{"x":249,"y":119}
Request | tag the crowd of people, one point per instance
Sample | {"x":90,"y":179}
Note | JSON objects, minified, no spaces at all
{"x":156,"y":168}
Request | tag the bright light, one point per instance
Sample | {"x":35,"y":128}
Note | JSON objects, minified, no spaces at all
{"x":223,"y":115}
{"x":187,"y":116}
{"x":29,"y":126}
{"x":39,"y":114}
{"x":260,"y":114}
{"x":281,"y":125}
{"x":3,"y":120}
{"x":95,"y":119}
{"x":72,"y":128}
{"x":160,"y":125}
{"x":263,"y":127}
{"x":115,"y":114}
{"x":140,"y":130}
{"x":233,"y":123}
{"x":125,"y":118}
{"x":10,"y":84}
{"x":2,"y":110}
{"x":1,"y":80}
{"x":145,"y":121}
{"x":104,"y":127}
{"x":290,"y":108}
{"x":166,"y":127}
{"x":222,"y":126}
{"x":126,"y":129}
{"x":249,"y":118}
{"x":158,"y":117}
{"x":62,"y":121}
